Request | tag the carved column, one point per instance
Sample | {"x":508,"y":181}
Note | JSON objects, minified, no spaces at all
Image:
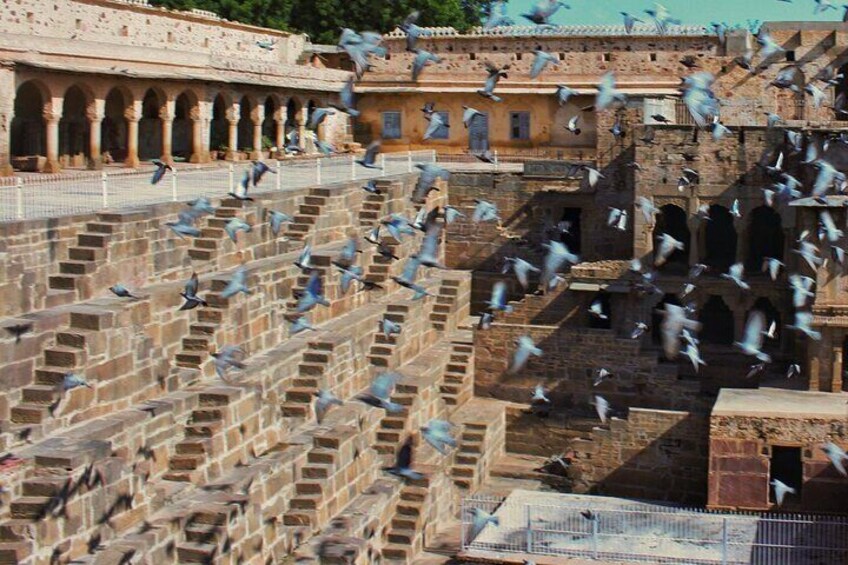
{"x":95,"y":114}
{"x":7,"y":110}
{"x":199,"y":141}
{"x":280,"y":118}
{"x":305,"y":139}
{"x":836,"y":374}
{"x":258,"y":118}
{"x":132,"y":115}
{"x":52,"y":141}
{"x":167,"y":117}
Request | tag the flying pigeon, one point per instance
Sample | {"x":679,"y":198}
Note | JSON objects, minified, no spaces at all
{"x":189,"y":294}
{"x":121,"y":291}
{"x":379,"y":393}
{"x":227,"y":358}
{"x":324,"y":400}
{"x":780,"y":490}
{"x":238,"y":283}
{"x":72,"y":380}
{"x":161,"y":167}
{"x":437,"y":434}
{"x":312,"y":294}
{"x":525,"y":349}
{"x":752,"y":342}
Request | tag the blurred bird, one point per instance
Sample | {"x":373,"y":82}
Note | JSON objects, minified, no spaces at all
{"x":675,"y":321}
{"x":18,"y":330}
{"x":639,"y":330}
{"x":563,"y":93}
{"x":780,"y":490}
{"x":793,"y":370}
{"x":239,"y":191}
{"x":437,"y":123}
{"x":277,"y":219}
{"x":312,"y":294}
{"x":229,"y":357}
{"x":801,"y":289}
{"x":521,"y":268}
{"x":735,"y":274}
{"x":522,"y":354}
{"x":558,"y":255}
{"x":379,"y":393}
{"x":596,"y":309}
{"x":161,"y":167}
{"x":479,"y":520}
{"x":600,"y":376}
{"x":389,"y":327}
{"x":369,"y":159}
{"x":189,"y":293}
{"x":837,"y":457}
{"x":572,"y":125}
{"x":629,"y":21}
{"x":607,"y":93}
{"x":258,"y":171}
{"x":72,"y":380}
{"x":541,"y":60}
{"x":184,"y":226}
{"x":236,"y":225}
{"x":324,"y":400}
{"x":122,"y":291}
{"x":803,"y":323}
{"x":485,"y":211}
{"x":752,"y":341}
{"x":602,"y":407}
{"x":304,"y":260}
{"x":422,"y":59}
{"x":238,"y":283}
{"x":452,"y":214}
{"x":694,"y":355}
{"x":667,"y":246}
{"x":437,"y":434}
{"x":499,"y":302}
{"x":347,"y":99}
{"x":494,"y":75}
{"x":300,"y":324}
{"x":426,"y":181}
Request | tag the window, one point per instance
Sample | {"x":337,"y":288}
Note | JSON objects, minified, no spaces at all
{"x":519,"y":125}
{"x":391,"y":125}
{"x":444,"y":131}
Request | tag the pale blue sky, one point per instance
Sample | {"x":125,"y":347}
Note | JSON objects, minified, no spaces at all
{"x":698,"y":12}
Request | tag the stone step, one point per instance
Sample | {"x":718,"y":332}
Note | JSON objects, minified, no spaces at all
{"x":464,"y":471}
{"x":322,"y":456}
{"x":189,"y":552}
{"x":409,"y":508}
{"x":309,"y":210}
{"x":49,"y":375}
{"x":28,"y":507}
{"x":405,"y":522}
{"x":195,"y":446}
{"x":302,"y":395}
{"x":78,"y":339}
{"x":213,"y":233}
{"x":40,"y":394}
{"x":16,"y":530}
{"x":295,"y":409}
{"x":63,"y":282}
{"x":301,"y":517}
{"x":211,"y":316}
{"x":202,"y":254}
{"x":186,"y":462}
{"x":193,"y":477}
{"x":202,"y":533}
{"x":307,"y":502}
{"x":416,"y":494}
{"x":309,"y":488}
{"x":402,"y":537}
{"x":44,"y":486}
{"x":389,"y":437}
{"x":311,"y":369}
{"x":191,"y":359}
{"x":64,"y":356}
{"x":203,"y":429}
{"x":15,"y":552}
{"x":306,"y":382}
{"x":205,"y":243}
{"x":86,"y":254}
{"x":195,"y":344}
{"x":96,"y":240}
{"x":316,"y":357}
{"x":317,"y":471}
{"x":102,"y":227}
{"x":207,"y":414}
{"x":393,"y":423}
{"x":77,"y":267}
{"x":397,"y":551}
{"x":298,"y":228}
{"x":314,"y":200}
{"x":56,"y":297}
{"x":203,"y":329}
{"x":27,"y":413}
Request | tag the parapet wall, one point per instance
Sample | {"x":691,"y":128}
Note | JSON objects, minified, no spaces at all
{"x":138,"y":25}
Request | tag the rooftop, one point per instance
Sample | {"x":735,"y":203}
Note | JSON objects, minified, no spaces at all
{"x":562,"y":31}
{"x":780,"y":403}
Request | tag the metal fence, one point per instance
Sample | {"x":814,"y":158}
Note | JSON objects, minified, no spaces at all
{"x":655,"y":534}
{"x":39,"y":196}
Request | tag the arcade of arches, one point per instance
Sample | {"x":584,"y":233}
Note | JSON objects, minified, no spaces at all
{"x":59,"y":122}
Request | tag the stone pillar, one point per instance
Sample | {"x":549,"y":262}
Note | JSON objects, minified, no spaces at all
{"x":167,"y":116}
{"x":258,"y":118}
{"x":232,"y":142}
{"x":7,"y":110}
{"x":52,"y":142}
{"x":96,"y":113}
{"x":132,"y":115}
{"x":303,"y":134}
{"x":199,"y":142}
{"x":836,"y":374}
{"x":280,"y":119}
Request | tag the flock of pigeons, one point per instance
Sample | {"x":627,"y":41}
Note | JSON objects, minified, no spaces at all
{"x":679,"y":330}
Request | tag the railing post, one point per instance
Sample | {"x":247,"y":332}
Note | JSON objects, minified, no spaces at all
{"x":382,"y":164}
{"x":724,"y":541}
{"x":495,"y":152}
{"x":529,"y":530}
{"x":317,"y":170}
{"x":231,"y":173}
{"x":279,"y":179}
{"x":104,"y":188}
{"x":462,"y":509}
{"x":174,"y":185}
{"x":19,"y":197}
{"x":595,"y":529}
{"x":352,"y":167}
{"x":409,"y":161}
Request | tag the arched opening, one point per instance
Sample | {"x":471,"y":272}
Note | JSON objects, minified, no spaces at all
{"x":569,"y":229}
{"x":114,"y":134}
{"x":269,"y":123}
{"x":245,"y":125}
{"x":672,"y":221}
{"x":716,"y":322}
{"x":772,"y":316}
{"x":293,"y":108}
{"x":842,"y":92}
{"x":604,"y":320}
{"x":28,"y":125}
{"x":720,"y":239}
{"x":657,"y":316}
{"x":150,"y":126}
{"x":182,"y":137}
{"x":219,"y":127}
{"x":73,"y":129}
{"x":765,"y":236}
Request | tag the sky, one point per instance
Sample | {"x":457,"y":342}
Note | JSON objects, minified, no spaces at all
{"x":698,"y":12}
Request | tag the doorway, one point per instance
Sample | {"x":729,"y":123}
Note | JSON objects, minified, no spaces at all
{"x":478,"y":133}
{"x":786,"y":466}
{"x":569,"y":229}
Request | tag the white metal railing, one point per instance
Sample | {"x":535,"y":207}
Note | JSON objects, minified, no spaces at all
{"x":654,"y":534}
{"x":39,"y":196}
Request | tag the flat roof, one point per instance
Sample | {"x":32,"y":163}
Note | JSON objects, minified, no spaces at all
{"x":781,"y":403}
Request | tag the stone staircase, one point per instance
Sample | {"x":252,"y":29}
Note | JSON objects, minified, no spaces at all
{"x":405,"y":536}
{"x":312,"y":376}
{"x":373,"y":206}
{"x":208,"y":246}
{"x":458,"y":384}
{"x":204,"y":437}
{"x":446,"y":302}
{"x":383,"y":352}
{"x":308,"y":213}
{"x":480,"y":443}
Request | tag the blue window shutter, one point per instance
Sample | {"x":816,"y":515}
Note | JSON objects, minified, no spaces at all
{"x":391,"y":125}
{"x":524,"y":125}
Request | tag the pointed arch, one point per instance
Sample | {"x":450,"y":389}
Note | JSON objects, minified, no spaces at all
{"x":114,"y":134}
{"x":716,"y":319}
{"x":765,"y":237}
{"x":719,"y":239}
{"x":150,"y":125}
{"x":245,"y":124}
{"x":74,"y":129}
{"x":186,"y":110}
{"x":672,"y":220}
{"x":28,"y":135}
